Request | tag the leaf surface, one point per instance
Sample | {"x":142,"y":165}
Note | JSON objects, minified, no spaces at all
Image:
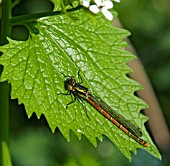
{"x":61,"y":44}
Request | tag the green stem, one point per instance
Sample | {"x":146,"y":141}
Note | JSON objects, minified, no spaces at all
{"x":26,"y":18}
{"x":4,"y":89}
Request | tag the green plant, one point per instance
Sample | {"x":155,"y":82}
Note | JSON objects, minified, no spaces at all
{"x":64,"y":41}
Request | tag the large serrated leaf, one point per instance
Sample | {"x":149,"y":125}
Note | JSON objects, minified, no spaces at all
{"x":60,"y":44}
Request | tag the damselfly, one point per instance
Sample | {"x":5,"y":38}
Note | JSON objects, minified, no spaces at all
{"x":82,"y":93}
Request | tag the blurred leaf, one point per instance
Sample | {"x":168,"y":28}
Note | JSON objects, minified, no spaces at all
{"x":6,"y":155}
{"x":32,"y":148}
{"x":85,"y":160}
{"x":60,"y":44}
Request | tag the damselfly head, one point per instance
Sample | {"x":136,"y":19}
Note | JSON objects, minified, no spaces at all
{"x":69,"y":83}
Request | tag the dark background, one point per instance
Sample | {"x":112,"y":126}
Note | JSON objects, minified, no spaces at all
{"x":32,"y":142}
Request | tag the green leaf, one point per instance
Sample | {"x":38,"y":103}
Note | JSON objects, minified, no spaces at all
{"x":60,"y":44}
{"x":57,"y":4}
{"x":64,"y":4}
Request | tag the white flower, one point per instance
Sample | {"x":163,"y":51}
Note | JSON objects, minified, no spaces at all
{"x":102,"y":7}
{"x":85,"y":3}
{"x":117,"y":0}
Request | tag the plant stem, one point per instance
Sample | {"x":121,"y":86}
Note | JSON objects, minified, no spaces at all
{"x":26,"y":18}
{"x":4,"y":89}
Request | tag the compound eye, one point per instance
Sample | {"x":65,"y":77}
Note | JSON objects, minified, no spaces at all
{"x":70,"y":87}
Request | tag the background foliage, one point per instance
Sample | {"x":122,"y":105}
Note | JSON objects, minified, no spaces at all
{"x":151,"y":43}
{"x":150,"y":27}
